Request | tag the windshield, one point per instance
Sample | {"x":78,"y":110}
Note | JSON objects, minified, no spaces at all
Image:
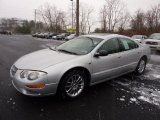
{"x":72,"y":35}
{"x":155,"y":36}
{"x":137,"y":37}
{"x":80,"y":45}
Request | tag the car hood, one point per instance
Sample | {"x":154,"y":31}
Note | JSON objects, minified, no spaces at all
{"x":70,"y":36}
{"x":42,"y":59}
{"x":152,"y":40}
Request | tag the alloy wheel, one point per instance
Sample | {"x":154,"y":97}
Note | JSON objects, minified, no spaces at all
{"x":74,"y":85}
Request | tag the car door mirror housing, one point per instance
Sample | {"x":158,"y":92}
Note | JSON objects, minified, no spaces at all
{"x":101,"y":53}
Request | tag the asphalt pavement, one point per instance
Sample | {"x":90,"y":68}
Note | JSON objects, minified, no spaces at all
{"x":129,"y":97}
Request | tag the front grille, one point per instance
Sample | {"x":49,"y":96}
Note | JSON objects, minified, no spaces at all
{"x":152,"y":43}
{"x":152,"y":47}
{"x":14,"y":70}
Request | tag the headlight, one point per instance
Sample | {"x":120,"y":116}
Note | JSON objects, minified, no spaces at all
{"x":31,"y":75}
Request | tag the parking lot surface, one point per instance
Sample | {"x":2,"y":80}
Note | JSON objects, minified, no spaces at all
{"x":129,"y":97}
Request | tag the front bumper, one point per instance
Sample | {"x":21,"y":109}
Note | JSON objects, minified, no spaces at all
{"x":20,"y":85}
{"x":154,"y":47}
{"x":34,"y":92}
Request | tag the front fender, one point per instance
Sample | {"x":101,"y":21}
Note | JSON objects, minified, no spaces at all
{"x":56,"y":72}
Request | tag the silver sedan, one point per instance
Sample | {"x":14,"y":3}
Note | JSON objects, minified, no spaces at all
{"x":73,"y":66}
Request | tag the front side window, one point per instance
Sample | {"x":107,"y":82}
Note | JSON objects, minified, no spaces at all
{"x":127,"y":44}
{"x":111,"y":46}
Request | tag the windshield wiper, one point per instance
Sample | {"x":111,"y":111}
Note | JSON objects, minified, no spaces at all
{"x":61,"y":50}
{"x":51,"y":48}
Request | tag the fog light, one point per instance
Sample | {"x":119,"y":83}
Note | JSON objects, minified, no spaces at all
{"x":39,"y":86}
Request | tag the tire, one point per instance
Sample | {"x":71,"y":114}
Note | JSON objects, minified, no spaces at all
{"x":141,"y":66}
{"x":72,"y":85}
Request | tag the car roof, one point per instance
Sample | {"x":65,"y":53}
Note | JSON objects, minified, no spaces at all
{"x":105,"y":36}
{"x":155,"y":34}
{"x":139,"y":35}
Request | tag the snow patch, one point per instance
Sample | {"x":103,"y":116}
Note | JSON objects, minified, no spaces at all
{"x":122,"y":99}
{"x":152,"y":73}
{"x":156,"y":76}
{"x":149,"y":100}
{"x":133,"y":99}
{"x":146,"y":91}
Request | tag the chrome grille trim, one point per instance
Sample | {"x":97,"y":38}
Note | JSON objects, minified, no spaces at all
{"x":14,"y":70}
{"x":152,"y":43}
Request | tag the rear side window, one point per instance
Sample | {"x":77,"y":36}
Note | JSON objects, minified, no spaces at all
{"x":112,"y":46}
{"x":127,"y":44}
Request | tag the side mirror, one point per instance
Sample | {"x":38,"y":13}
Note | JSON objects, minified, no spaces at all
{"x":101,"y":53}
{"x":144,"y":37}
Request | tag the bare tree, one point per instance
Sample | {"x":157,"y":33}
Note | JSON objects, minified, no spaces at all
{"x":156,"y":11}
{"x":150,"y":20}
{"x":90,"y":21}
{"x":153,"y":18}
{"x":138,"y":21}
{"x":86,"y":20}
{"x":10,"y":23}
{"x":124,"y":21}
{"x":55,"y":19}
{"x":83,"y":21}
{"x":103,"y":18}
{"x":111,"y":14}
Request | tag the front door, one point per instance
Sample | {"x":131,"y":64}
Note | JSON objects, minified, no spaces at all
{"x":105,"y":67}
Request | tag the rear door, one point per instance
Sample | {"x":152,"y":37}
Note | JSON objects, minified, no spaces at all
{"x":130,"y":54}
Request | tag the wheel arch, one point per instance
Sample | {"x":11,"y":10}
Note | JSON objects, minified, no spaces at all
{"x":83,"y":69}
{"x":145,"y":57}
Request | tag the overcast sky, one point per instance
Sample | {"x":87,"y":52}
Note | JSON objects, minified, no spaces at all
{"x":25,"y":8}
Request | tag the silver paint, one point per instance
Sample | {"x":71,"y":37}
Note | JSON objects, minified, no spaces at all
{"x":55,"y":64}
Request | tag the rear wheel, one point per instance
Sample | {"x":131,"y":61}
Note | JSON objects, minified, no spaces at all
{"x":72,"y":85}
{"x":141,"y":66}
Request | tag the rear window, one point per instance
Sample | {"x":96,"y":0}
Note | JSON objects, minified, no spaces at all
{"x":127,"y":44}
{"x":155,"y":36}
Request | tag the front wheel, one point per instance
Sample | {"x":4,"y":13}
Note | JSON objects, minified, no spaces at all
{"x":72,"y":85}
{"x":141,"y":67}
